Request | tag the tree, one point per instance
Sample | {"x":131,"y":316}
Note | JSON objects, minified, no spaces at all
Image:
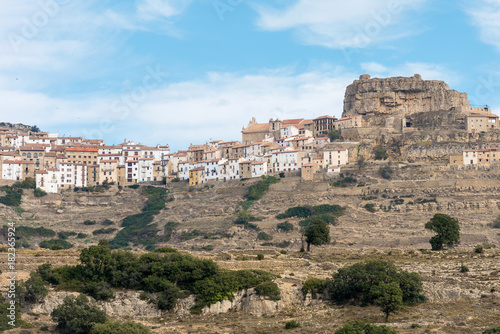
{"x":35,"y":129}
{"x":36,"y":289}
{"x":317,"y":234}
{"x":361,"y":327}
{"x":493,"y":330}
{"x":96,"y":260}
{"x":76,"y":315}
{"x":389,"y":297}
{"x":334,"y":134}
{"x":361,"y":162}
{"x":447,"y":229}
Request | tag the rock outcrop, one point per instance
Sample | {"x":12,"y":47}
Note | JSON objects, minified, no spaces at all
{"x":400,"y":96}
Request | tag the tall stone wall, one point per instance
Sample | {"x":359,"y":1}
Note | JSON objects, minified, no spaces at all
{"x":399,"y":97}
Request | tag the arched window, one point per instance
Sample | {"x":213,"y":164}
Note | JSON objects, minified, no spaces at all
{"x":35,"y":155}
{"x":29,"y":155}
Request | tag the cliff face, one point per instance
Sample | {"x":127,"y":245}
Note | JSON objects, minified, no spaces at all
{"x":399,"y":96}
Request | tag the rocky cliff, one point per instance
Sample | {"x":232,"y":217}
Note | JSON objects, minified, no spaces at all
{"x":400,"y":96}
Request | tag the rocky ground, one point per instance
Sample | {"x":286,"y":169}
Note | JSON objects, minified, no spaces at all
{"x":457,"y":302}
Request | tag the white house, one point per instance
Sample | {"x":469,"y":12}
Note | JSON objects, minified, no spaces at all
{"x":48,"y":180}
{"x":145,"y":169}
{"x":259,"y":168}
{"x":285,"y":161}
{"x":289,"y":131}
{"x":12,"y":170}
{"x":335,"y":157}
{"x":184,"y":168}
{"x":471,"y":157}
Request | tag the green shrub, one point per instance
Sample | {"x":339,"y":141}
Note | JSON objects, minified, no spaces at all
{"x":286,"y":226}
{"x":166,"y":250}
{"x":386,"y":172}
{"x":479,"y":249}
{"x":44,"y":329}
{"x":133,"y":186}
{"x":82,"y":235}
{"x":292,"y":324}
{"x":12,"y":197}
{"x":380,"y":153}
{"x":283,"y":252}
{"x":415,"y":326}
{"x":77,"y":315}
{"x":357,"y":281}
{"x":281,"y":175}
{"x":99,"y":290}
{"x":39,"y":192}
{"x":314,"y":286}
{"x":117,"y":327}
{"x":256,"y":191}
{"x":264,"y":236}
{"x":104,"y":231}
{"x":27,"y":183}
{"x":66,"y":234}
{"x":169,"y":229}
{"x":493,"y":330}
{"x":35,"y":289}
{"x":260,"y":257}
{"x":89,"y":222}
{"x":464,"y":268}
{"x":107,"y":222}
{"x":496,"y":222}
{"x":268,"y":289}
{"x":370,"y":207}
{"x":55,"y":244}
{"x":298,"y":211}
{"x":345,"y":182}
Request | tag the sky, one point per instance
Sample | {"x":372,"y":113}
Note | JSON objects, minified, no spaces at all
{"x":187,"y":71}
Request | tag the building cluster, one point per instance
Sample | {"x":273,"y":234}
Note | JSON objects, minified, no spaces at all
{"x":271,"y":148}
{"x":479,"y":157}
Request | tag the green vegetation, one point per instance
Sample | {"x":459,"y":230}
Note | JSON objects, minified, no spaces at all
{"x":107,"y":222}
{"x":308,"y":211}
{"x":169,"y":229}
{"x":370,"y":207}
{"x":55,"y":244}
{"x":282,"y":244}
{"x":89,"y":222}
{"x":286,"y":227}
{"x":361,"y":327}
{"x":82,"y":235}
{"x":380,"y":153}
{"x":256,"y":191}
{"x":264,"y":236}
{"x":76,"y":315}
{"x":493,"y":330}
{"x":464,"y":268}
{"x":364,"y":282}
{"x":345,"y":181}
{"x":268,"y":289}
{"x":479,"y":249}
{"x":314,"y":286}
{"x":138,"y":228}
{"x":260,"y":257}
{"x":39,"y":192}
{"x":386,"y":172}
{"x":317,"y":234}
{"x":104,"y":231}
{"x":66,"y":234}
{"x":389,"y":297}
{"x":165,"y":275}
{"x":127,"y":327}
{"x":25,"y":234}
{"x":134,"y":186}
{"x":334,"y":134}
{"x":447,"y":229}
{"x":244,"y":218}
{"x":292,"y":324}
{"x":27,"y":183}
{"x":12,"y":197}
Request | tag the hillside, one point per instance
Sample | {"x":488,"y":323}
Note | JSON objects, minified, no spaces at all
{"x":395,"y":231}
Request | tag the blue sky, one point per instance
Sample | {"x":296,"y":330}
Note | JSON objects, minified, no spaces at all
{"x":186,"y":71}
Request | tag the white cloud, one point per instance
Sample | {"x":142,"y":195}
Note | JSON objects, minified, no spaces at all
{"x":191,"y":111}
{"x":485,"y":15}
{"x":158,"y":9}
{"x":341,"y":24}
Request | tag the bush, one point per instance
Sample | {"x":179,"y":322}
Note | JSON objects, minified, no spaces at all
{"x":256,"y":191}
{"x":35,"y":289}
{"x":99,"y":290}
{"x":13,"y":196}
{"x":133,"y":186}
{"x":260,"y":257}
{"x":370,"y":207}
{"x":264,"y":236}
{"x":82,"y":235}
{"x":127,"y":327}
{"x":345,"y":182}
{"x":281,"y":175}
{"x":493,"y":330}
{"x":361,"y":327}
{"x":89,"y":222}
{"x":386,"y":172}
{"x":104,"y":231}
{"x":356,"y":283}
{"x":268,"y":289}
{"x":66,"y":234}
{"x":479,"y":249}
{"x":286,"y":226}
{"x":464,"y":268}
{"x":380,"y":153}
{"x":55,"y":244}
{"x":447,"y":229}
{"x":334,"y":134}
{"x":292,"y":324}
{"x":27,"y":183}
{"x":107,"y":222}
{"x":314,"y":286}
{"x":77,"y":315}
{"x":298,"y":211}
{"x":39,"y":192}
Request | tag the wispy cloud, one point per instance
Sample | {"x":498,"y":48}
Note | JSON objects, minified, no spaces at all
{"x":340,"y":24}
{"x":485,"y":14}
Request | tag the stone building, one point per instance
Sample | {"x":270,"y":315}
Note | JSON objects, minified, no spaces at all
{"x":322,"y":125}
{"x":482,"y":123}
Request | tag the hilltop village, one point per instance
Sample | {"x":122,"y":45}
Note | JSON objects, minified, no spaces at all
{"x":376,"y":111}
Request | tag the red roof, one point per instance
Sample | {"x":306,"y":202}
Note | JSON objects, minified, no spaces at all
{"x":81,"y":149}
{"x":292,"y":121}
